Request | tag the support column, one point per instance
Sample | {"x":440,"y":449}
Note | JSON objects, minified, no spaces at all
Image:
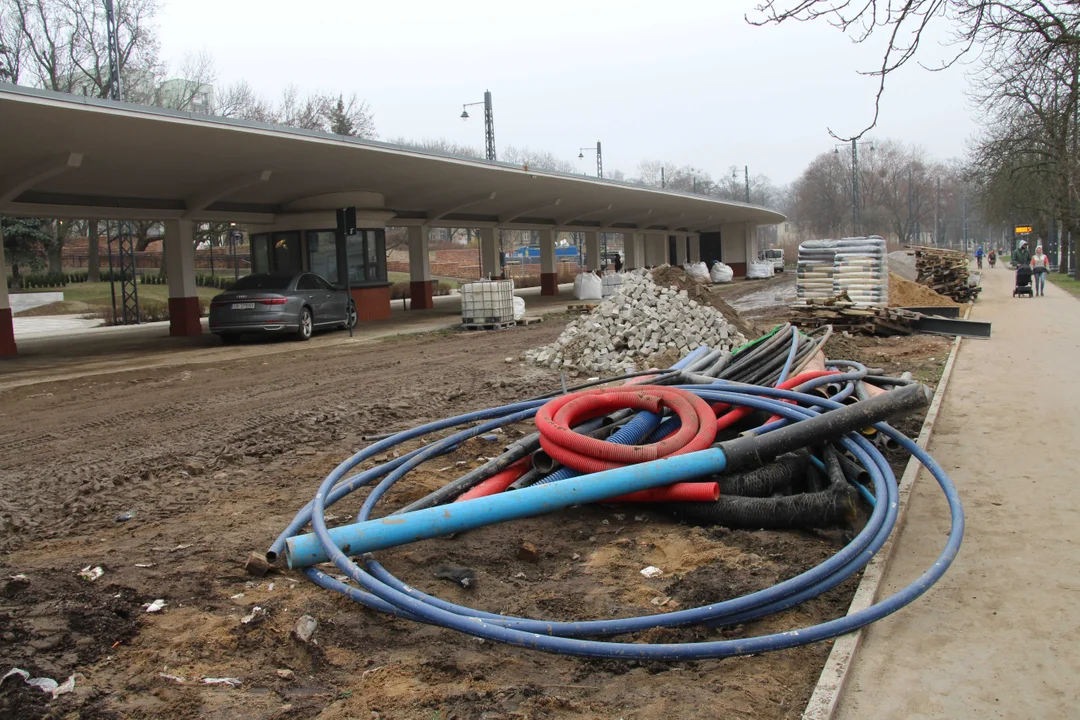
{"x":751,"y":242}
{"x":420,"y":297}
{"x":655,"y":250}
{"x":593,"y":260}
{"x":694,"y":240}
{"x":734,"y":244}
{"x":633,"y":250}
{"x":7,"y":327}
{"x":489,"y":253}
{"x":680,"y":249}
{"x":180,"y":265}
{"x":549,"y":271}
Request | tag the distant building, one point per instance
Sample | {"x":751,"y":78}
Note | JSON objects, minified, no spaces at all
{"x":186,"y":95}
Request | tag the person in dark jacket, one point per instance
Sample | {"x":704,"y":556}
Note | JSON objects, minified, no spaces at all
{"x":1022,"y":256}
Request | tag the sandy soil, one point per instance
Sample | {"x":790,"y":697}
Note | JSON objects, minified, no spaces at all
{"x":213,"y":459}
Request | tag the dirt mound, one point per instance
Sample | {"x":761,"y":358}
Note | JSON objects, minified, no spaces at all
{"x":670,"y":276}
{"x":905,"y":293}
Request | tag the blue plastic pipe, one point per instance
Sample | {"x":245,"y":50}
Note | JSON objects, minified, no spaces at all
{"x":363,"y":537}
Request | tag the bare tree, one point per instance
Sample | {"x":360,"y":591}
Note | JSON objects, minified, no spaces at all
{"x":441,"y":146}
{"x":537,"y":160}
{"x":996,"y":28}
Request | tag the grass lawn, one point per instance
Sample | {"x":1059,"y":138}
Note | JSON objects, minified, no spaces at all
{"x":1065,"y":283}
{"x":396,"y":277}
{"x":99,"y":293}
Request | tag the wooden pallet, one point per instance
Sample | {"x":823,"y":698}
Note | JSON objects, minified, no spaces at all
{"x":487,"y":326}
{"x":530,"y":319}
{"x":581,"y":307}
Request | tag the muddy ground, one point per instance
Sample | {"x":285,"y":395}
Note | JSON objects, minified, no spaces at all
{"x":212,"y":460}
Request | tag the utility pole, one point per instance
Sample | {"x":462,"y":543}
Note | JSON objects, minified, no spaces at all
{"x":937,"y":207}
{"x":112,"y":32}
{"x":964,"y":210}
{"x":489,"y":126}
{"x":854,"y":187}
{"x":599,"y":161}
{"x":663,"y":182}
{"x":746,"y":175}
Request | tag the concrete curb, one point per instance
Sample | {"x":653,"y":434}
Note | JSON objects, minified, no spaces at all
{"x":830,"y":685}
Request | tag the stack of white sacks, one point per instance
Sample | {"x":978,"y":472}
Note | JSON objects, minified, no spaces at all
{"x":857,"y":266}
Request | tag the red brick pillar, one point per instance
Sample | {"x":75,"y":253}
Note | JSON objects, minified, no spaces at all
{"x":420,"y":296}
{"x":184,"y":317}
{"x":7,"y":332}
{"x":549,"y":284}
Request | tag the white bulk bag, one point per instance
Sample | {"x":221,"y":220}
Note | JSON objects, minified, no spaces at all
{"x":721,"y":273}
{"x":588,"y":286}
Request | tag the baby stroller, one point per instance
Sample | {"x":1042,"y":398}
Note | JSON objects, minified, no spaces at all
{"x":1023,"y":282}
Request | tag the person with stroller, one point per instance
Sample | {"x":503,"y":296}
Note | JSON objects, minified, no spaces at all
{"x":1040,"y":265}
{"x":1021,"y":257}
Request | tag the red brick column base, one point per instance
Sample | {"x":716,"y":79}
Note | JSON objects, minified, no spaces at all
{"x":738,"y":269}
{"x":549,"y":284}
{"x":372,"y":303}
{"x":184,"y":317}
{"x":7,"y":334}
{"x":420,"y":297}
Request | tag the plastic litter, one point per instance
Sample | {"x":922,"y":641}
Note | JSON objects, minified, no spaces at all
{"x":91,"y":573}
{"x":255,"y":612}
{"x":124,"y":516}
{"x":174,"y":678}
{"x":44,"y":684}
{"x":154,"y":606}
{"x":231,"y":682}
{"x":652,"y":571}
{"x":305,"y":628}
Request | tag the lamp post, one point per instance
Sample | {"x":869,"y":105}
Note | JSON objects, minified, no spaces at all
{"x":746,"y":177}
{"x":599,"y":158}
{"x":233,"y":232}
{"x":489,"y":123}
{"x":854,"y":180}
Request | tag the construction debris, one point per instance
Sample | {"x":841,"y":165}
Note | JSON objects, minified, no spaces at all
{"x":946,"y":272}
{"x":905,"y":293}
{"x":843,"y":314}
{"x":625,"y":331}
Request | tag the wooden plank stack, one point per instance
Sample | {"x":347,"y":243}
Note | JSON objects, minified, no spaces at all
{"x":946,"y":273}
{"x":843,"y":314}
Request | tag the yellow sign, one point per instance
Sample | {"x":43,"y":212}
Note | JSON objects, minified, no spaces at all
{"x":1023,"y":229}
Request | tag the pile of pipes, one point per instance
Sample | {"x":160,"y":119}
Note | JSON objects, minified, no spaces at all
{"x":628,"y":329}
{"x":858,"y":267}
{"x":770,"y":435}
{"x":946,"y":273}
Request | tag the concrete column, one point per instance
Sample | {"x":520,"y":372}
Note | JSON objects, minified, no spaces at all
{"x":489,"y":253}
{"x":633,"y":250}
{"x":7,"y":327}
{"x":695,"y":247}
{"x":656,"y":250}
{"x":680,"y":249}
{"x":751,"y":242}
{"x":549,"y":270}
{"x":733,"y":239}
{"x":420,"y":297}
{"x":180,"y":266}
{"x":592,"y":251}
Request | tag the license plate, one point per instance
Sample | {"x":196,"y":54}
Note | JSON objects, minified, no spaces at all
{"x":243,"y":306}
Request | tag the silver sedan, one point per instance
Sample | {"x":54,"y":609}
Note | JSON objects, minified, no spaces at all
{"x":280,"y":304}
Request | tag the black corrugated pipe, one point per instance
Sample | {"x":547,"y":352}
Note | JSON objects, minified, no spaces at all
{"x":806,"y":510}
{"x":764,"y":481}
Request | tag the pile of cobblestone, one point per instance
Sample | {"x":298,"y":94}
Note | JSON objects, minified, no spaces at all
{"x":624,"y":332}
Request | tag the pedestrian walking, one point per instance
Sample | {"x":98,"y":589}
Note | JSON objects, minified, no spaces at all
{"x":1040,"y":265}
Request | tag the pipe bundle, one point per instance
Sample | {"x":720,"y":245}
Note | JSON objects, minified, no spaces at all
{"x":752,"y":442}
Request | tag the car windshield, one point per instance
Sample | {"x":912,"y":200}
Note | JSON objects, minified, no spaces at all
{"x":263,"y":282}
{"x":772,"y":254}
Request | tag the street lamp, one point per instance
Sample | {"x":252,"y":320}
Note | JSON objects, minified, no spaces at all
{"x":854,"y":180}
{"x":746,"y":175}
{"x":489,"y":123}
{"x":599,"y":158}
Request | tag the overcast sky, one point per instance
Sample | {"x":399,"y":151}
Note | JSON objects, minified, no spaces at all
{"x":688,"y":81}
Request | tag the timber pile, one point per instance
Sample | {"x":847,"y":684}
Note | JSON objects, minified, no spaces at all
{"x":946,"y":273}
{"x":843,"y":314}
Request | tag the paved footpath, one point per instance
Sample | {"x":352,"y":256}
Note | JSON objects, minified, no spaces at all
{"x":999,"y":637}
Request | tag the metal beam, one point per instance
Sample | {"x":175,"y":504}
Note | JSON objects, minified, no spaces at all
{"x":950,"y":326}
{"x":528,"y":209}
{"x":199,"y":201}
{"x":457,"y":205}
{"x":560,"y":222}
{"x":16,"y":183}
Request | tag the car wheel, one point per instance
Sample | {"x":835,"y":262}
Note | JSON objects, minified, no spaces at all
{"x":304,"y":331}
{"x":230,"y":339}
{"x":350,"y":316}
